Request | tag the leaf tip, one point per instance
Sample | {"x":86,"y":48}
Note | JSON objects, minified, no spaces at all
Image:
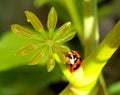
{"x":51,"y":64}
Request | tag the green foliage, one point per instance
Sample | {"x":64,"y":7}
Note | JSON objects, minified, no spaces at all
{"x":16,"y":77}
{"x":38,"y":3}
{"x":26,"y":80}
{"x":114,"y":89}
{"x":9,"y":44}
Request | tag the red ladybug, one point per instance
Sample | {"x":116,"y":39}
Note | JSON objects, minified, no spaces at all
{"x":73,"y":59}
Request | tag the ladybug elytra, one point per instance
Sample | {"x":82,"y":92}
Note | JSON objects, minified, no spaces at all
{"x":73,"y":59}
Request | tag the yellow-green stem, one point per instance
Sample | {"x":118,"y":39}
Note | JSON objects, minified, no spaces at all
{"x":103,"y":84}
{"x":96,"y":61}
{"x":84,"y":79}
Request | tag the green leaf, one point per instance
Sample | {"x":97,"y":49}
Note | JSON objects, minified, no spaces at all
{"x":50,"y":64}
{"x":9,"y":44}
{"x":62,"y":30}
{"x":18,"y":29}
{"x":52,"y":19}
{"x":114,"y":89}
{"x":26,"y":49}
{"x":17,"y":78}
{"x":67,"y":37}
{"x":61,"y":48}
{"x":36,"y":59}
{"x":27,"y":80}
{"x":61,"y":56}
{"x":36,"y":23}
{"x":65,"y":48}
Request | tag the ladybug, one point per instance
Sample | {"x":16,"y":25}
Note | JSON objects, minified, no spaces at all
{"x":73,"y":59}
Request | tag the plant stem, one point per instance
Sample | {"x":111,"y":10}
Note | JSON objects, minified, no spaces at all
{"x":95,"y":62}
{"x":76,"y":18}
{"x":84,"y":79}
{"x":103,"y":84}
{"x":87,"y":33}
{"x":91,"y":35}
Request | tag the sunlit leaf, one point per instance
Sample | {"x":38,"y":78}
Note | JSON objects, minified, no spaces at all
{"x":52,"y":19}
{"x":36,"y":23}
{"x":62,"y":30}
{"x":67,"y":37}
{"x":26,"y":49}
{"x":18,"y":29}
{"x":51,"y":63}
{"x":8,"y":47}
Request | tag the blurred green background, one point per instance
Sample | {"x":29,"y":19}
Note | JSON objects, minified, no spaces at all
{"x":17,"y":78}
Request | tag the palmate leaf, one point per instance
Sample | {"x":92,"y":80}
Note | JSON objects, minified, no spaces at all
{"x":45,"y":40}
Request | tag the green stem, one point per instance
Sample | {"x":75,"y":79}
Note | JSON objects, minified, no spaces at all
{"x":69,"y":90}
{"x":91,"y":35}
{"x":84,"y":79}
{"x":103,"y":84}
{"x":89,"y":39}
{"x":76,"y":18}
{"x":96,"y":61}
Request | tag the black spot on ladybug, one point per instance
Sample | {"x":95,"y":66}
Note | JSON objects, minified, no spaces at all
{"x":77,"y":66}
{"x":80,"y":59}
